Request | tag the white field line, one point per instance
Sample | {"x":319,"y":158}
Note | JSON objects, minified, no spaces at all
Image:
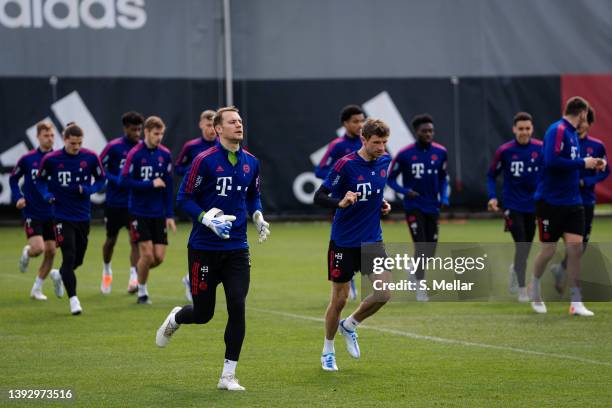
{"x":444,"y":340}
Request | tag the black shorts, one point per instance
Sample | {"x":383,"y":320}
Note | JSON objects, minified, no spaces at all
{"x":116,"y":218}
{"x":556,"y":220}
{"x":36,"y":227}
{"x":148,"y":229}
{"x":344,"y":262}
{"x":209,"y":268}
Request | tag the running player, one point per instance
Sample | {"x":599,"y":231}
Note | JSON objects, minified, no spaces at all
{"x":559,"y":209}
{"x":37,"y":213}
{"x":189,"y":151}
{"x":425,"y":188}
{"x":65,"y":179}
{"x":147,"y":175}
{"x":356,"y":184}
{"x":116,"y":215}
{"x":520,"y":160}
{"x":224,"y":178}
{"x":589,"y":147}
{"x":352,"y":119}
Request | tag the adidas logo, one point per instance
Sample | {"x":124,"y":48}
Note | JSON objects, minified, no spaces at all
{"x":219,"y":169}
{"x":70,"y":108}
{"x":360,"y":178}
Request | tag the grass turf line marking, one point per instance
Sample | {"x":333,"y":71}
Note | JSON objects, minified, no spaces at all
{"x":444,"y":340}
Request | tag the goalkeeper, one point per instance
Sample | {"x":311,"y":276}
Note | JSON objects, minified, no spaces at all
{"x":219,"y":192}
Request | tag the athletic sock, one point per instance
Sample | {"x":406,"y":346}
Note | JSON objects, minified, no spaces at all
{"x":107,"y":269}
{"x":38,"y":284}
{"x":576,"y":295}
{"x":350,"y":323}
{"x":142,"y":290}
{"x":133,"y":273}
{"x":535,"y":290}
{"x":229,"y":367}
{"x":328,"y":346}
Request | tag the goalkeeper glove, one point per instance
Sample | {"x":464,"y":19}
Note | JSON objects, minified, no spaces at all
{"x":219,"y":224}
{"x":263,"y":227}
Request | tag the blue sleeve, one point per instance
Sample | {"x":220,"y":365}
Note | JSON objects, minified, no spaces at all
{"x":99,"y":178}
{"x":41,"y":181}
{"x":253,"y":196}
{"x":169,"y":192}
{"x":552,"y":153}
{"x":112,"y":178}
{"x":600,"y":175}
{"x":14,"y":182}
{"x":329,"y":158}
{"x":396,"y":170}
{"x":443,"y":177}
{"x":494,"y":170}
{"x":185,"y":199}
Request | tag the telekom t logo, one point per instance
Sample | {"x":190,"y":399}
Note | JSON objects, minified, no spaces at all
{"x":365,"y":189}
{"x":574,"y":152}
{"x":64,"y":177}
{"x":418,"y":169}
{"x":223,"y":184}
{"x":146,"y":172}
{"x":516,"y":168}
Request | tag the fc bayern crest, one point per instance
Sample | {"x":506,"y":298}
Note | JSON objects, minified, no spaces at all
{"x":83,"y":164}
{"x":534,"y":154}
{"x":434,"y":157}
{"x":246,"y":168}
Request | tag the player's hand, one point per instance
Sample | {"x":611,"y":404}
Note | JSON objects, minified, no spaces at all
{"x":601,"y":164}
{"x":219,"y":223}
{"x":20,"y":203}
{"x":412,"y":194}
{"x":386,"y":207}
{"x":50,"y":198}
{"x":263,"y":227}
{"x":492,"y":205}
{"x":171,"y":225}
{"x":581,"y":183}
{"x":350,"y":198}
{"x":590,"y":162}
{"x":158,"y":183}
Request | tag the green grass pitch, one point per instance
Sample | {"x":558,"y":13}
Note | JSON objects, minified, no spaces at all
{"x":435,"y":354}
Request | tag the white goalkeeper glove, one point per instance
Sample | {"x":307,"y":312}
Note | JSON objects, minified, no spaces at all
{"x":219,"y":223}
{"x":263,"y":227}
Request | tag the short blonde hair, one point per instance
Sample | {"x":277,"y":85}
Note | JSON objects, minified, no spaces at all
{"x":207,"y":114}
{"x":154,"y":122}
{"x":42,"y":126}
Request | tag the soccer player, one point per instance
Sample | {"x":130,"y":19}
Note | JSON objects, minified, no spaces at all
{"x":189,"y":151}
{"x":37,"y":213}
{"x":220,"y":191}
{"x":425,"y":188}
{"x":520,"y":160}
{"x":356,"y":184}
{"x":147,"y":175}
{"x":352,"y":118}
{"x":589,"y":147}
{"x":559,"y":209}
{"x":116,"y":215}
{"x":65,"y":179}
{"x":196,"y":146}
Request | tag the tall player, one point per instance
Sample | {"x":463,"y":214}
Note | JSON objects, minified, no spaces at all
{"x":116,"y":215}
{"x":189,"y":151}
{"x":559,"y":209}
{"x":589,"y":147}
{"x":223,"y":179}
{"x":147,"y":175}
{"x":65,"y":179}
{"x":37,"y":213}
{"x":352,"y":119}
{"x":520,"y":160}
{"x":425,"y":188}
{"x":356,"y":184}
